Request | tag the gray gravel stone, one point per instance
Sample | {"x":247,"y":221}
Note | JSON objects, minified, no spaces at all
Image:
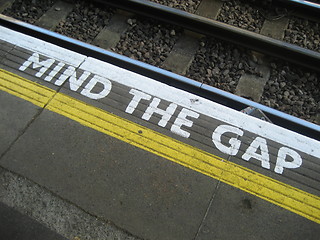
{"x":85,"y":21}
{"x":303,"y":33}
{"x":187,"y":5}
{"x":242,"y":14}
{"x":148,"y":41}
{"x":294,"y":91}
{"x":28,"y":10}
{"x":220,"y":64}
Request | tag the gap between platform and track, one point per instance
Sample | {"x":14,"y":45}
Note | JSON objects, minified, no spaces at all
{"x":281,"y":194}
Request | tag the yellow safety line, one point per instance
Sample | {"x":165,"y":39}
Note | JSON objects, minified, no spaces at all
{"x":30,"y":91}
{"x":281,"y":194}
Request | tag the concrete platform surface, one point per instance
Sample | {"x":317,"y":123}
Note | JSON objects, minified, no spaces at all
{"x":92,"y":151}
{"x":14,"y":225}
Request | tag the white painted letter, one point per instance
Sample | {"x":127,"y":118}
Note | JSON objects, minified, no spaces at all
{"x":137,"y":96}
{"x":34,"y":58}
{"x":70,"y":73}
{"x":234,"y":142}
{"x":183,"y":121}
{"x":92,"y":83}
{"x":54,"y":72}
{"x":166,"y":114}
{"x":281,"y":159}
{"x":251,"y":152}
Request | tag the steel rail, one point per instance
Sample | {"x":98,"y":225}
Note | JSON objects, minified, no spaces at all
{"x":269,"y":46}
{"x":175,"y":80}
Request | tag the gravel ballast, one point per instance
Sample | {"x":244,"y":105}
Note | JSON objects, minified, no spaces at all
{"x":220,"y":64}
{"x":293,"y":91}
{"x":85,"y":21}
{"x":28,"y":10}
{"x":148,"y":40}
{"x":303,"y":33}
{"x":242,"y":14}
{"x":187,"y":5}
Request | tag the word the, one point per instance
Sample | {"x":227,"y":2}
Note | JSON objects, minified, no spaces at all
{"x":181,"y":119}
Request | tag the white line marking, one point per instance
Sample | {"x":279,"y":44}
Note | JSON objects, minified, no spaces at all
{"x":42,"y":47}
